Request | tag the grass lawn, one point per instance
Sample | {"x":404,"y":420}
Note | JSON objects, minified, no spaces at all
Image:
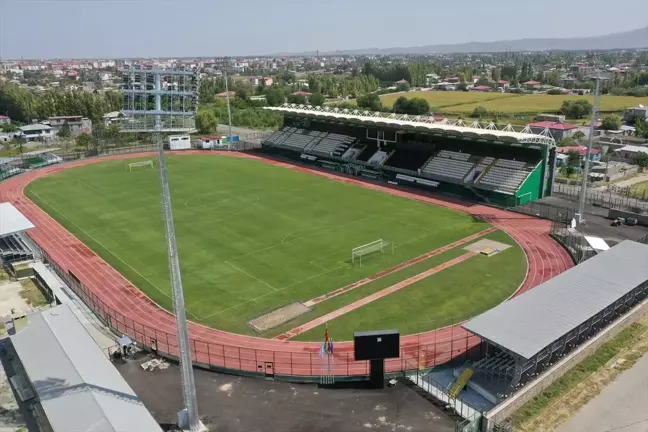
{"x":639,"y":190}
{"x":469,"y":287}
{"x":443,"y":99}
{"x":466,"y":102}
{"x":32,"y":294}
{"x":252,"y":237}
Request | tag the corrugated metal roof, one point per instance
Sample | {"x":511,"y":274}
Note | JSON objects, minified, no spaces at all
{"x":528,"y":323}
{"x":76,"y":384}
{"x":12,"y":221}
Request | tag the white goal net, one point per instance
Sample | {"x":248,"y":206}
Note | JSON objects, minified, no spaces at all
{"x":148,"y":163}
{"x":359,"y":252}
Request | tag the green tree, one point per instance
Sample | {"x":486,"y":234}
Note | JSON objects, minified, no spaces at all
{"x":8,"y":128}
{"x":641,"y":159}
{"x":65,"y":131}
{"x":414,"y":106}
{"x":573,"y":158}
{"x":479,"y":112}
{"x":462,"y":86}
{"x":576,"y":108}
{"x":206,"y":122}
{"x":297,"y":99}
{"x":641,"y":129}
{"x":316,"y":99}
{"x":611,"y":122}
{"x":567,"y":170}
{"x":578,"y":135}
{"x":84,"y":141}
{"x":370,"y":101}
{"x":403,"y":87}
{"x":275,"y":96}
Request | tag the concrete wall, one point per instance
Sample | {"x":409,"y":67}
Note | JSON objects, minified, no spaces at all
{"x":515,"y":402}
{"x":615,"y":213}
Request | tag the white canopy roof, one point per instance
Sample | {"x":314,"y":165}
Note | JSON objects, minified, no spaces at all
{"x":424,"y":122}
{"x":12,"y":221}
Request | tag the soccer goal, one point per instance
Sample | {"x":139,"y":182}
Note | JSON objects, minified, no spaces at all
{"x":382,"y":246}
{"x":148,"y":163}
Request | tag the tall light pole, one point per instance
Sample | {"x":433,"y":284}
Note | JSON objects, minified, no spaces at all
{"x":581,"y":205}
{"x":154,"y":109}
{"x":229,"y":114}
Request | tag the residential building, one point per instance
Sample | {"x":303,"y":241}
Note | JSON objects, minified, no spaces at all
{"x":595,"y":154}
{"x":4,"y":120}
{"x":503,"y":84}
{"x":640,"y":112}
{"x":630,"y":152}
{"x":532,"y":85}
{"x":223,"y":95}
{"x":482,"y":88}
{"x":558,"y":130}
{"x":77,"y":124}
{"x":115,"y":117}
{"x":37,"y":132}
{"x":259,"y":80}
{"x":556,"y":118}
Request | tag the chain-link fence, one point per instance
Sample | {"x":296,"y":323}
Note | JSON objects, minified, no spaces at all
{"x":573,"y":240}
{"x":622,"y":198}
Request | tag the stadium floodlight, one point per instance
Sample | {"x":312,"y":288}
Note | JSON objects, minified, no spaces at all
{"x":367,"y":249}
{"x":145,"y":114}
{"x":581,"y":204}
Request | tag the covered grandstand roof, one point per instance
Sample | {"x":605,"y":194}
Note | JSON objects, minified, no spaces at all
{"x":417,"y":123}
{"x":77,"y":386}
{"x":12,"y":221}
{"x":527,"y":324}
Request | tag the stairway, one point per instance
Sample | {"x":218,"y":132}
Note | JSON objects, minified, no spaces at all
{"x":460,"y":383}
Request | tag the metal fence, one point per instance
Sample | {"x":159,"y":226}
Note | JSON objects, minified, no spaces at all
{"x":545,"y":211}
{"x":612,"y":197}
{"x":572,"y":240}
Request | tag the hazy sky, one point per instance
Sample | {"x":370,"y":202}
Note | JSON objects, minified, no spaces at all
{"x":150,"y":28}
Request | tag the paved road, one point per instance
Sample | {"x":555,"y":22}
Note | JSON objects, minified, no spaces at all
{"x":621,"y":407}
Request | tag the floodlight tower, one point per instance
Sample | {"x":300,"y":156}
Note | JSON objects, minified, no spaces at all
{"x":164,"y":101}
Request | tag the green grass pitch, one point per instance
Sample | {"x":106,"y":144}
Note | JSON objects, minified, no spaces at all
{"x":253,"y":237}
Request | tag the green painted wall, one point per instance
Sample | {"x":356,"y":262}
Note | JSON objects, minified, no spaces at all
{"x":530,"y":189}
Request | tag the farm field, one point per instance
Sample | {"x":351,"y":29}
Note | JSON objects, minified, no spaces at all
{"x":253,"y":237}
{"x":466,"y":102}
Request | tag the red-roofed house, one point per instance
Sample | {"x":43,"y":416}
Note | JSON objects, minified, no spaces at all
{"x":4,"y":120}
{"x":223,"y":95}
{"x":558,"y":130}
{"x":403,"y":81}
{"x":503,"y":84}
{"x":482,"y":88}
{"x":302,"y":93}
{"x":595,"y":154}
{"x":453,"y":79}
{"x":532,"y":84}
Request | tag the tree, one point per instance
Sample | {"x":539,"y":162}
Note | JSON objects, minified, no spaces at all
{"x":567,"y":170}
{"x":317,"y":99}
{"x":641,"y":159}
{"x":479,"y":112}
{"x":641,"y":129}
{"x":84,"y":141}
{"x":611,"y":122}
{"x":8,"y":128}
{"x":462,"y":86}
{"x":403,"y":87}
{"x":370,"y":101}
{"x":297,"y":99}
{"x":578,"y":135}
{"x":573,"y":158}
{"x":415,"y":106}
{"x":275,"y":96}
{"x":576,"y":108}
{"x":206,"y":122}
{"x":65,"y":131}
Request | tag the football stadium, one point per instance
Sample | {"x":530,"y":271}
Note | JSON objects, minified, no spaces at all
{"x":337,"y":223}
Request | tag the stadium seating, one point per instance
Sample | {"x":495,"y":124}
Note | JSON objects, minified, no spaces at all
{"x":504,"y":176}
{"x":353,"y":152}
{"x":496,"y":367}
{"x":13,"y":247}
{"x":378,"y":158}
{"x":449,"y":165}
{"x":332,"y":144}
{"x":408,"y":160}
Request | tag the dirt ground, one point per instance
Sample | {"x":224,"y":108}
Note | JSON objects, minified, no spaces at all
{"x":10,"y":298}
{"x":278,"y":316}
{"x":229,"y":403}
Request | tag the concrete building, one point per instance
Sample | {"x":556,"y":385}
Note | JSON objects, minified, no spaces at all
{"x":558,"y":130}
{"x":630,"y":152}
{"x":36,"y":132}
{"x":640,"y":112}
{"x":4,"y":120}
{"x":595,"y":154}
{"x":77,"y":124}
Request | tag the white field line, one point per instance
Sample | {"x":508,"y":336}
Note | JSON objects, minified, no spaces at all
{"x":320,"y":274}
{"x":252,"y":276}
{"x":109,"y":251}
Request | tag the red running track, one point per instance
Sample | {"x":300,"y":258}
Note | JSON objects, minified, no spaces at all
{"x":131,"y":312}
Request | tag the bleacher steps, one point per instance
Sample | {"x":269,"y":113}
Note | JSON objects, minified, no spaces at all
{"x":460,"y":383}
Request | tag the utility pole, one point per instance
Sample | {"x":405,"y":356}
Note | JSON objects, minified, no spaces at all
{"x":581,"y":206}
{"x":229,"y":114}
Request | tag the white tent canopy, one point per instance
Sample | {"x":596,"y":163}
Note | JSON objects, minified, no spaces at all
{"x":12,"y":221}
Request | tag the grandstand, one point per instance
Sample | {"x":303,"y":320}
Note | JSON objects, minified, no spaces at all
{"x":503,"y":167}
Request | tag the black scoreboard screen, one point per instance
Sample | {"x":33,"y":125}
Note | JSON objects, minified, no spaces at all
{"x":376,"y":345}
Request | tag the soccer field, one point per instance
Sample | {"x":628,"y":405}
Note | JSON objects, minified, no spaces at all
{"x":254,"y":237}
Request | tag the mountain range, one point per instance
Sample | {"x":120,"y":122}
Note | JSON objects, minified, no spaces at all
{"x":625,"y":40}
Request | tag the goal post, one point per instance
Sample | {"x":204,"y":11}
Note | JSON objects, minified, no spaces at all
{"x":148,"y":163}
{"x":381,"y":245}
